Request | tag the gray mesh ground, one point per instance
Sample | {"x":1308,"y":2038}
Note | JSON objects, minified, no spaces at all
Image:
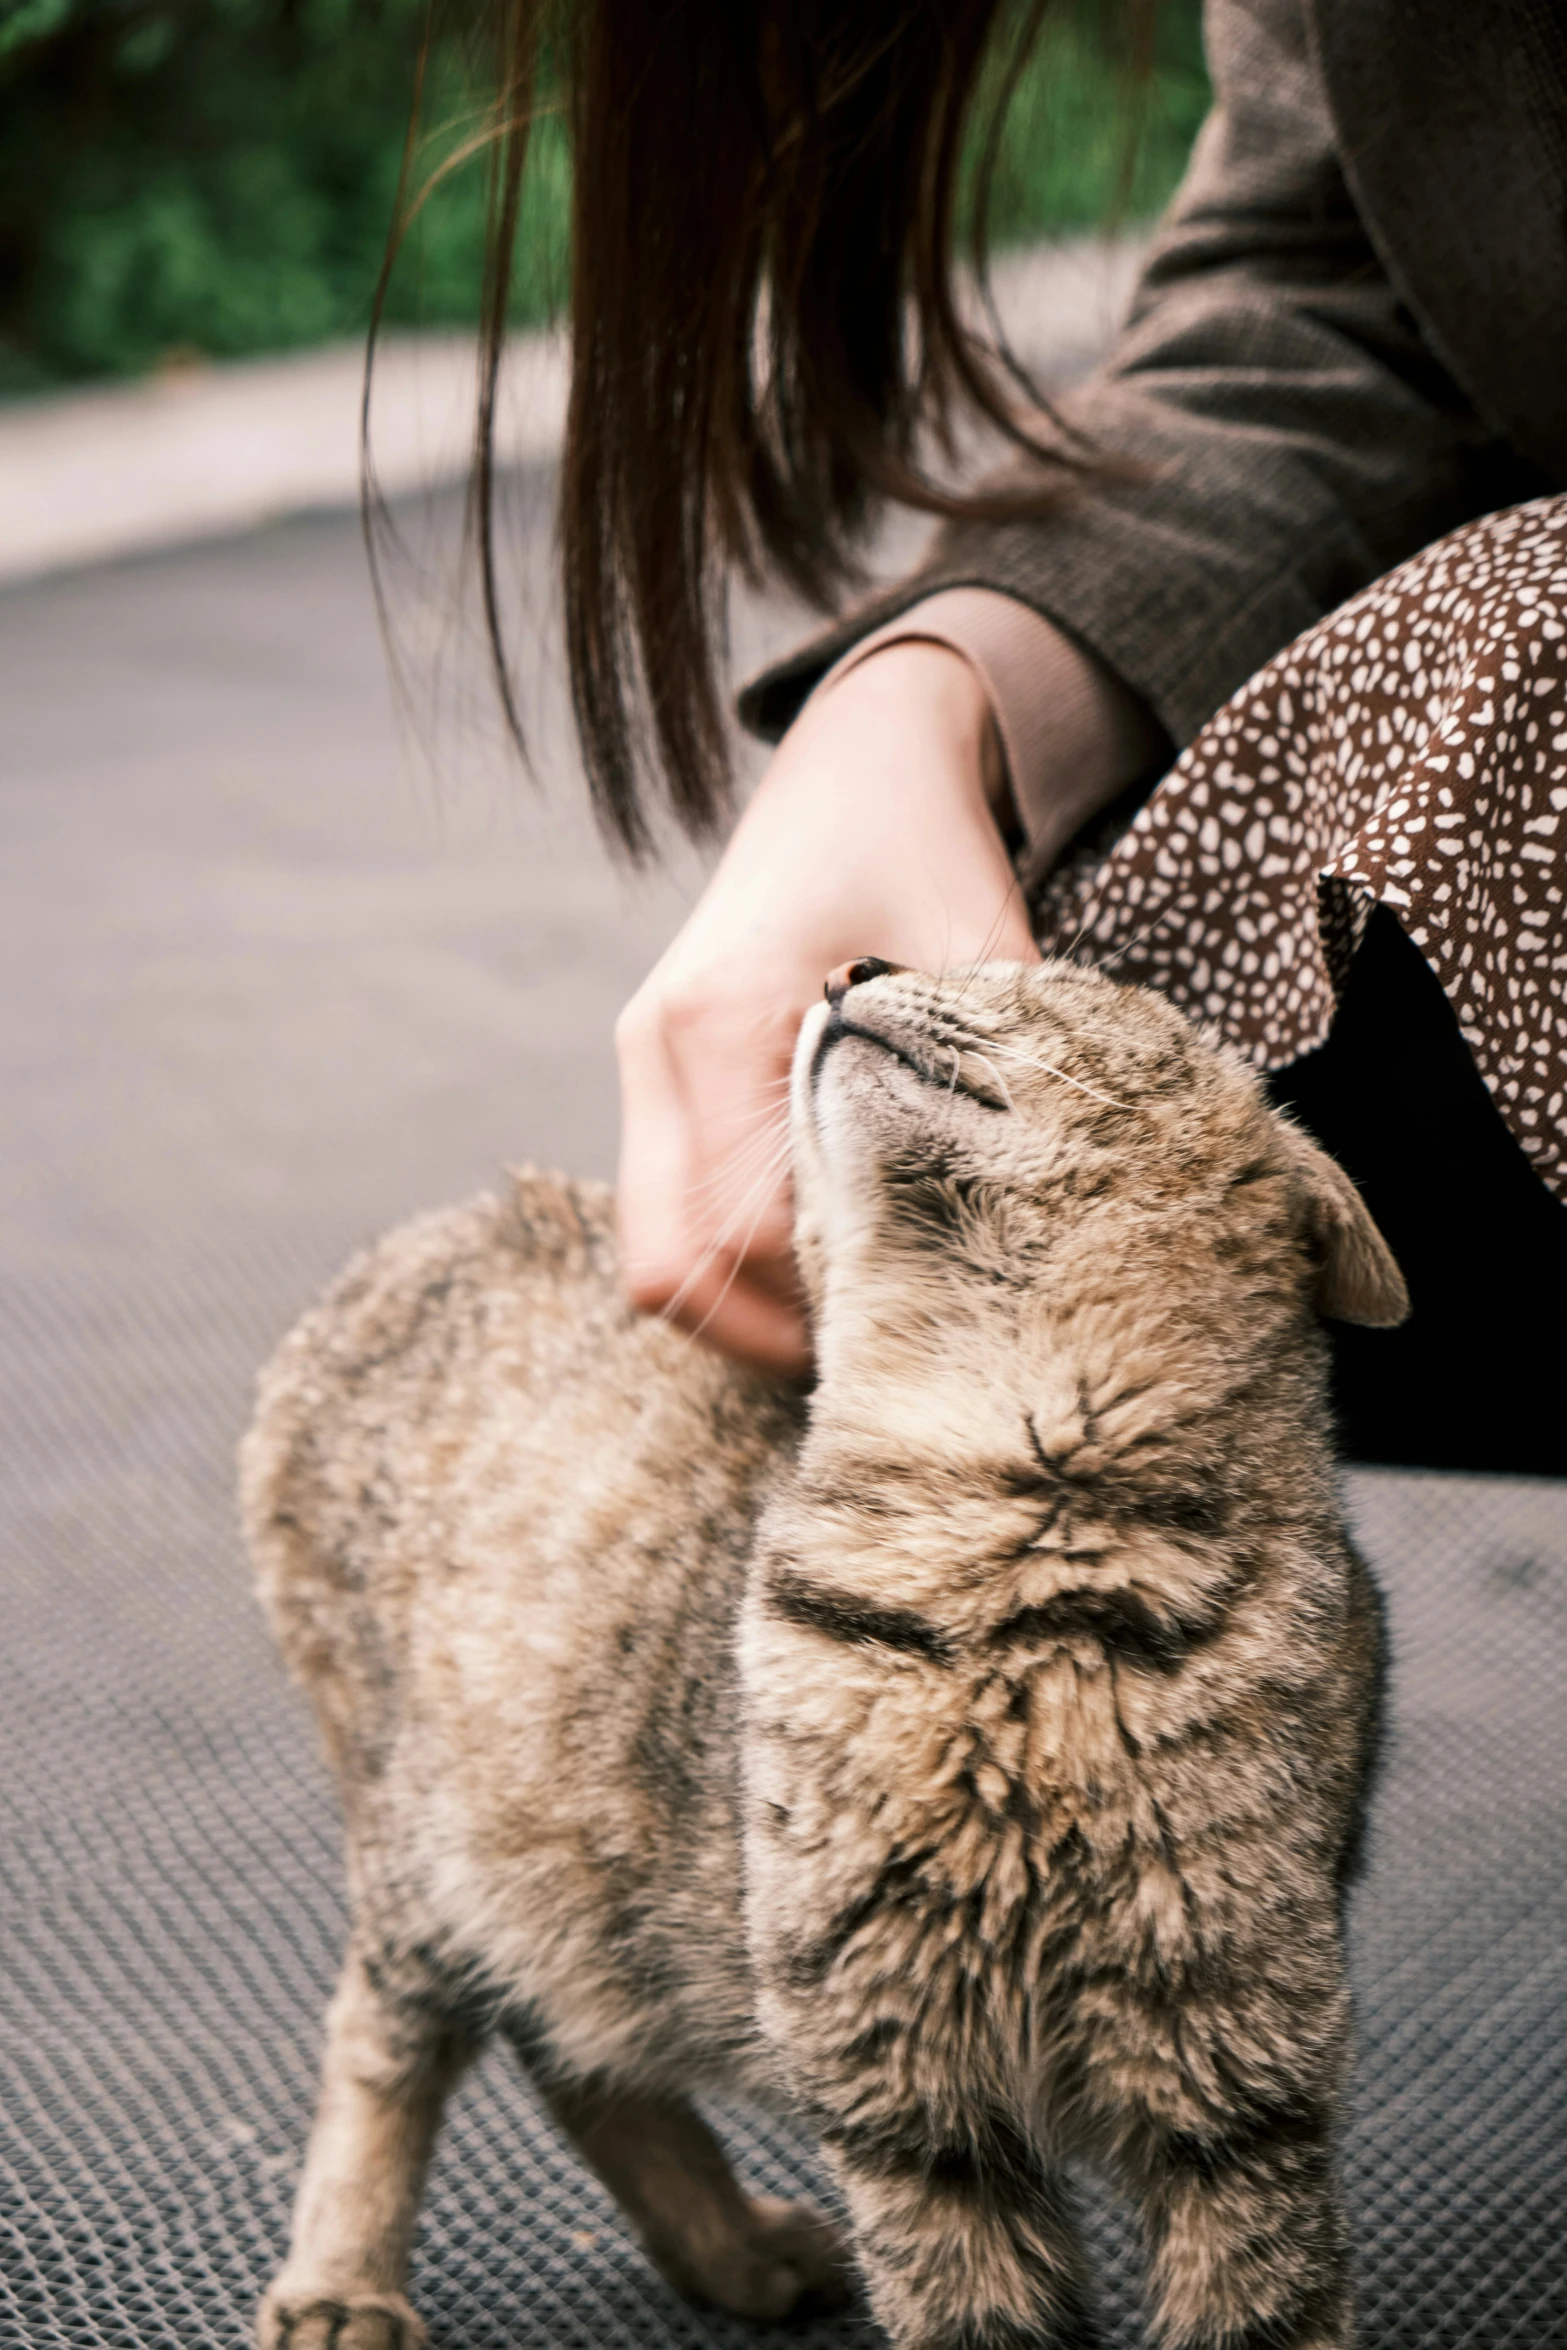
{"x":255,"y":999}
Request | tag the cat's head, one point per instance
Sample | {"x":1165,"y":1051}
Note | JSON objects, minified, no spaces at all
{"x":1001,"y":1146}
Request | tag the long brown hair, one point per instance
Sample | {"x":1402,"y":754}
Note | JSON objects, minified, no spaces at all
{"x":764,"y":329}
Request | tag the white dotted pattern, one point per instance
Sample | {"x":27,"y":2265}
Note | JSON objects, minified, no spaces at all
{"x":1411,"y":748}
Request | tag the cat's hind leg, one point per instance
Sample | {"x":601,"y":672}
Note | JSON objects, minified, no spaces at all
{"x":388,"y":2067}
{"x":753,"y":2256}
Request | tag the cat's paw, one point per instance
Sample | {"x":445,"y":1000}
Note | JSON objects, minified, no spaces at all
{"x":791,"y":2259}
{"x":300,"y":2319}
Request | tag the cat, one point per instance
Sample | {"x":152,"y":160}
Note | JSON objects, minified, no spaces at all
{"x":968,"y":1758}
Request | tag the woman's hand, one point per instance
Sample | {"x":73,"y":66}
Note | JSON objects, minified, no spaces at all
{"x":872,"y":833}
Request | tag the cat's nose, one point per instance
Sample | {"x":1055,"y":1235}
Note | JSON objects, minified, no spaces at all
{"x":850,"y":975}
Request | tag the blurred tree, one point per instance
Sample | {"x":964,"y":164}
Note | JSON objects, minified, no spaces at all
{"x":182,"y":177}
{"x":216,"y":176}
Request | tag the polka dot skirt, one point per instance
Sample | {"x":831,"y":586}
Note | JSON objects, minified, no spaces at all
{"x":1411,"y":748}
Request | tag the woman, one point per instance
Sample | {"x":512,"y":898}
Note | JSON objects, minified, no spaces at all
{"x":1351,"y":337}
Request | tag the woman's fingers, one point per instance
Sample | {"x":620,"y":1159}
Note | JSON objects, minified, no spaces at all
{"x":873,"y":832}
{"x":705,"y":1213}
{"x":656,"y":1153}
{"x":748,"y":1322}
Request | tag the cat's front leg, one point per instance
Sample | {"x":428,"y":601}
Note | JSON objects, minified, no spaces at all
{"x":875,"y":1889}
{"x":965,"y":2244}
{"x":384,"y":2079}
{"x":964,"y":2234}
{"x":1247,"y":2235}
{"x":1218,"y":2100}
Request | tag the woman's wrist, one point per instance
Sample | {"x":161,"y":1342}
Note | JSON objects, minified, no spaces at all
{"x":917,"y":679}
{"x":875,"y":830}
{"x":1066,"y":734}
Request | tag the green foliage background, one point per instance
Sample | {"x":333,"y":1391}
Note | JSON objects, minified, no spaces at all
{"x":216,"y":176}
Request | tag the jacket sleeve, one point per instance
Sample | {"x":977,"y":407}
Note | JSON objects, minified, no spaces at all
{"x":1284,"y":431}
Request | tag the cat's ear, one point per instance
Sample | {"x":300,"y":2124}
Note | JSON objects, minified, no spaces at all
{"x":1357,"y":1278}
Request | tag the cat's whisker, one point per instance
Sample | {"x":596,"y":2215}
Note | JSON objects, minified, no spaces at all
{"x":747,"y":1156}
{"x":996,"y":1078}
{"x":763,"y":1137}
{"x":1080,"y":1084}
{"x":990,"y":937}
{"x":771,"y":1094}
{"x":760,"y":1191}
{"x":1012,"y":1052}
{"x":764,"y":1179}
{"x":737,"y":1260}
{"x":1087,"y":923}
{"x":755,"y":1176}
{"x":1137,"y":939}
{"x":1014,"y":889}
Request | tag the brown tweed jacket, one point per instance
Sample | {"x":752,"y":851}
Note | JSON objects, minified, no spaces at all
{"x":1350,"y":336}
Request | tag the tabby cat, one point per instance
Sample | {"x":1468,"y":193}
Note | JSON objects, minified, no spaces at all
{"x":968,"y":1758}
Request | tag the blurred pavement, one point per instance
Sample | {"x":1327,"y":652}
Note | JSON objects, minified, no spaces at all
{"x":202,"y":451}
{"x":267,"y":976}
{"x":205,"y":451}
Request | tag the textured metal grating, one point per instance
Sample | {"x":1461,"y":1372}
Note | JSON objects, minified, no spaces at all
{"x":173,"y":1914}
